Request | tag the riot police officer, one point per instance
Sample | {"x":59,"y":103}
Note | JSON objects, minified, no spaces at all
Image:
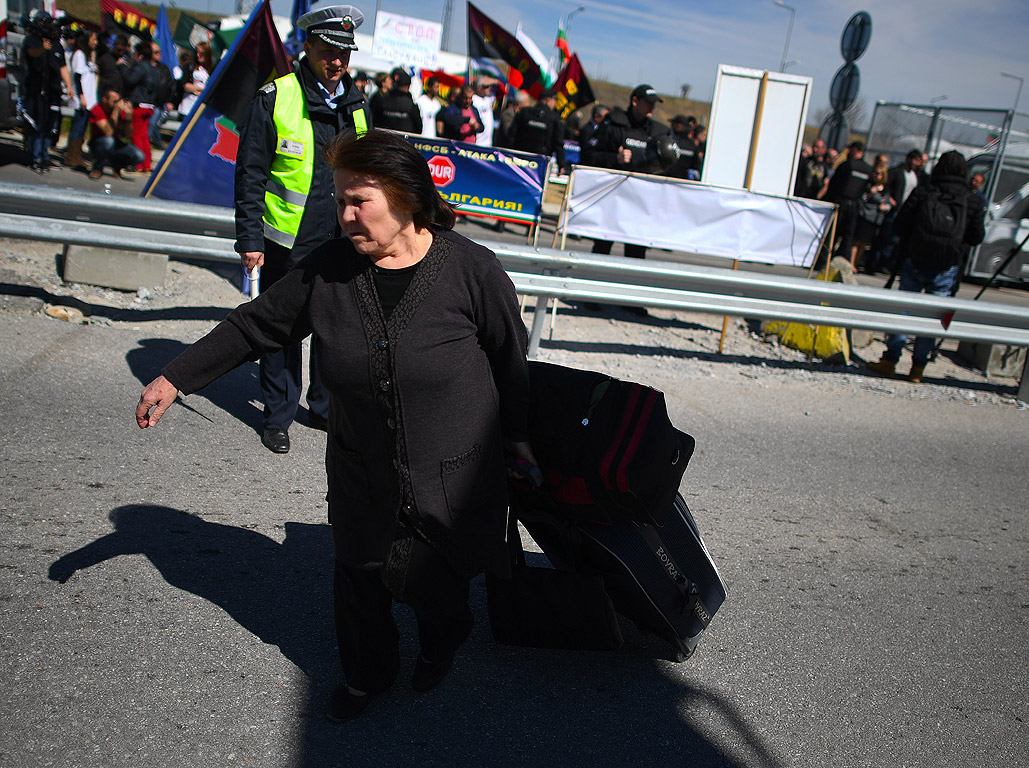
{"x":539,"y":129}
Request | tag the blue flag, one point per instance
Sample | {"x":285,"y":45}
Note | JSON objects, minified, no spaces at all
{"x":163,"y":38}
{"x":295,"y":40}
{"x":199,"y":164}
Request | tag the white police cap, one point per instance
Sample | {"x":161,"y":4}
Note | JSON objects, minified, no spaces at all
{"x":335,"y":24}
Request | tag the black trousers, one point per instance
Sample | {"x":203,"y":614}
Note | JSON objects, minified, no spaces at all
{"x":632,"y":250}
{"x":369,"y":642}
{"x":281,"y":373}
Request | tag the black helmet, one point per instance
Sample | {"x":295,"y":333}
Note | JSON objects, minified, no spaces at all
{"x":662,"y":151}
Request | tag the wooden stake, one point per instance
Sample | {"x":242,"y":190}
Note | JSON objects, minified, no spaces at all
{"x":725,"y":319}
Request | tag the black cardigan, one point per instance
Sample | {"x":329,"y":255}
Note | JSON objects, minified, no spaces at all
{"x":418,"y":405}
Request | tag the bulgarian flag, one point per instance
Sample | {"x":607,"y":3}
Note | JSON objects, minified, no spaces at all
{"x":562,"y":45}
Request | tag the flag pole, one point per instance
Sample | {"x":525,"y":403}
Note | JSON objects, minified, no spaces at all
{"x":166,"y":161}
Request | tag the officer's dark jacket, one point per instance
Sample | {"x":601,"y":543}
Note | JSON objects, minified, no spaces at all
{"x":848,"y":182}
{"x":257,"y":142}
{"x":689,"y":158}
{"x":396,"y":110}
{"x":539,"y":129}
{"x":620,"y":129}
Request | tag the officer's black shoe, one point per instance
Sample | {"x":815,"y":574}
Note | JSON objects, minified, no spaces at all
{"x":276,"y":440}
{"x":314,"y":421}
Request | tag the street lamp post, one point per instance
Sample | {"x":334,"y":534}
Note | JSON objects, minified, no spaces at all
{"x":789,"y":34}
{"x":568,"y":18}
{"x":1021,"y":82}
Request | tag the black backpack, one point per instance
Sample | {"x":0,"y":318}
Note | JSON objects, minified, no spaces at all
{"x":938,"y":231}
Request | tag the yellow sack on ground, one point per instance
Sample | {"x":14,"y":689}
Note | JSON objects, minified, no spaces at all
{"x":822,"y":341}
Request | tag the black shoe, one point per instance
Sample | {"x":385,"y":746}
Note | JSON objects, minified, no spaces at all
{"x":344,"y":705}
{"x":276,"y":440}
{"x":428,"y":674}
{"x":314,"y":421}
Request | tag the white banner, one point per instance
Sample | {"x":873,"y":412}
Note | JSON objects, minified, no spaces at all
{"x":406,"y":40}
{"x":696,"y":218}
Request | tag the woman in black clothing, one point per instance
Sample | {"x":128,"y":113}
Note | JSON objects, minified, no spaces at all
{"x":422,"y":348}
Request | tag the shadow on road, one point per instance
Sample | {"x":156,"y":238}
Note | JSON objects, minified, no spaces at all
{"x":207,"y":314}
{"x":232,"y":392}
{"x":501,"y":706}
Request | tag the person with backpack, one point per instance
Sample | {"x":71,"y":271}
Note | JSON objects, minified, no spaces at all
{"x":936,"y":224}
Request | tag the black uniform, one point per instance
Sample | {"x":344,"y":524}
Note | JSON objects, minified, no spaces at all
{"x":397,"y":111}
{"x":688,"y":164}
{"x":538,"y":129}
{"x":845,"y":189}
{"x":621,"y":129}
{"x":281,"y":372}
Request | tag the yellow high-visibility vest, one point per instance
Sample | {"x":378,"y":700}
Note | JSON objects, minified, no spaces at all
{"x":292,"y":167}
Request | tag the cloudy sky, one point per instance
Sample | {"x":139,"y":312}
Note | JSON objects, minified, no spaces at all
{"x":919,"y":50}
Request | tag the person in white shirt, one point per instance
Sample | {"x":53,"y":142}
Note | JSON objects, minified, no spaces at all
{"x":483,"y":100}
{"x":429,"y":104}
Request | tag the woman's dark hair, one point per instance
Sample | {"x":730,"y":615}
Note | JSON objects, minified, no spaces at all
{"x":951,"y":163}
{"x":401,"y":171}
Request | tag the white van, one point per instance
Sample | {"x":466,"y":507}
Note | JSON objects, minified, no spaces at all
{"x":1007,"y":219}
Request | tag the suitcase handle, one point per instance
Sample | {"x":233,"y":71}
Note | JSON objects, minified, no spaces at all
{"x":691,"y":602}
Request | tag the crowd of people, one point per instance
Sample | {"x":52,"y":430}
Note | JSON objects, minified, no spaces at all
{"x":121,"y":95}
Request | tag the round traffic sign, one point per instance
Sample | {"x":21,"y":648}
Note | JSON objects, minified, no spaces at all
{"x":442,"y":170}
{"x":845,"y":86}
{"x":856,"y":35}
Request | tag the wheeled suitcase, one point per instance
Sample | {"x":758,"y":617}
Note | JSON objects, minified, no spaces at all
{"x":661,"y":578}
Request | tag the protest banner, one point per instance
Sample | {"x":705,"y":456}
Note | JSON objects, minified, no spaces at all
{"x":661,"y":212}
{"x":406,"y":40}
{"x":486,"y":181}
{"x":120,"y":17}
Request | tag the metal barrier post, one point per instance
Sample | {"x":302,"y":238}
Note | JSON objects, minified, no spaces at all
{"x":539,"y":318}
{"x":1023,"y":387}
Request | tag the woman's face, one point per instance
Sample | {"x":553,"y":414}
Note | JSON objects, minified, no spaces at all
{"x":366,"y":215}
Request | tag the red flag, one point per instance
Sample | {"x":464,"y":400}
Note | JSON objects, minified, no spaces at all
{"x":447,"y":82}
{"x":573,"y":88}
{"x":488,"y":40}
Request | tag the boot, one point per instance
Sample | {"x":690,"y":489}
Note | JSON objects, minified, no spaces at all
{"x":73,"y":154}
{"x":915,"y":377}
{"x":885,"y":367}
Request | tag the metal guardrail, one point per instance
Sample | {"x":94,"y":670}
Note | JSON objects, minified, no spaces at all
{"x":206,"y":233}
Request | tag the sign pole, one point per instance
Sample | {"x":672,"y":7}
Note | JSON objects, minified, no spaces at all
{"x":747,"y":182}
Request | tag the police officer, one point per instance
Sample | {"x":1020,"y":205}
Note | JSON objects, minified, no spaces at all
{"x":538,"y":129}
{"x":284,"y":190}
{"x":396,"y":110}
{"x":622,"y":142}
{"x":846,"y":186}
{"x":686,"y":166}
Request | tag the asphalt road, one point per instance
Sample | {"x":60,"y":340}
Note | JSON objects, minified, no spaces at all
{"x":165,"y":595}
{"x":165,"y":601}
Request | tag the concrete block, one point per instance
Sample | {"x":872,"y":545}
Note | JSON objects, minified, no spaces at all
{"x":111,"y":268}
{"x":994,"y":359}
